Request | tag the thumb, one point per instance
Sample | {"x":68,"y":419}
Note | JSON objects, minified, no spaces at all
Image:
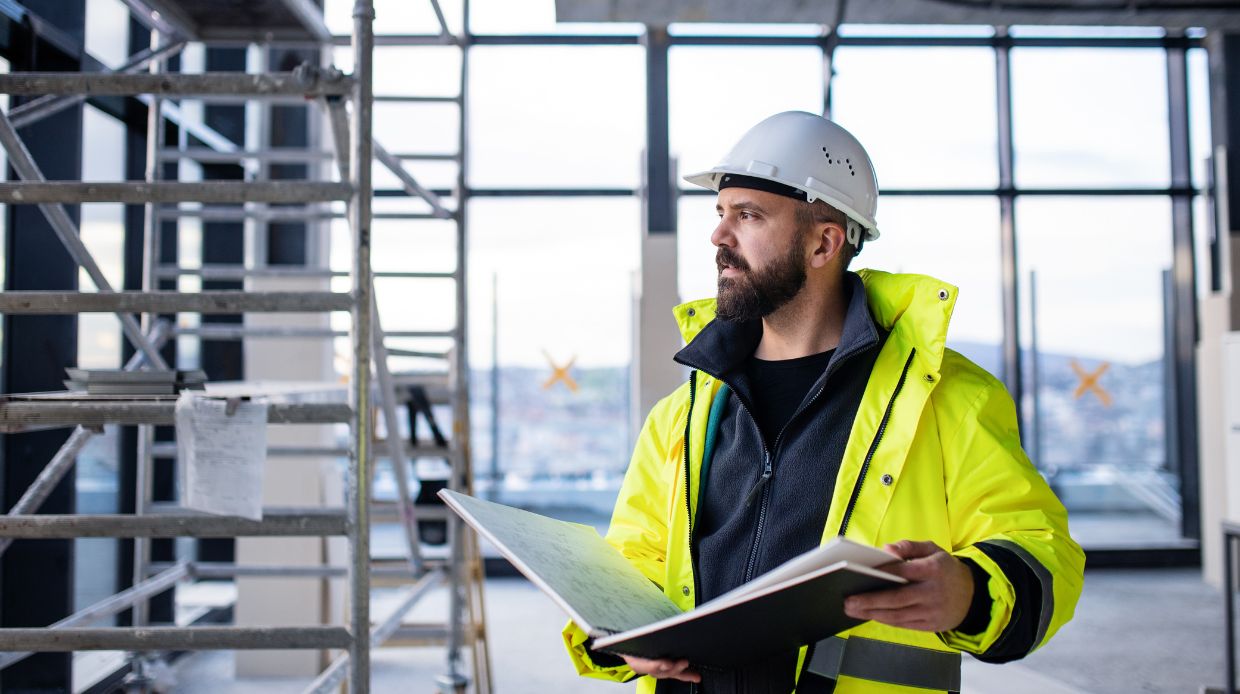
{"x":910,"y":549}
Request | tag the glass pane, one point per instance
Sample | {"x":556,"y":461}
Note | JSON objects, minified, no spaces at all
{"x":410,"y":70}
{"x":99,"y":346}
{"x":556,"y":116}
{"x":955,"y":240}
{"x":737,"y":29}
{"x":925,"y":115}
{"x":534,"y":17}
{"x":900,"y":30}
{"x":1081,"y":32}
{"x":394,"y":16}
{"x":1200,"y":139}
{"x":417,"y":128}
{"x":695,"y":255}
{"x":107,"y":31}
{"x":103,"y":234}
{"x":1090,"y":117}
{"x":1094,"y":319}
{"x":717,"y":93}
{"x":564,"y":271}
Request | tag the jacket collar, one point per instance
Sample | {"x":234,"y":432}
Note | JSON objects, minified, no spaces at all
{"x":720,"y":347}
{"x":916,"y":307}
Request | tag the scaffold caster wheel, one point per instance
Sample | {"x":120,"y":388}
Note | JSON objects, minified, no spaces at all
{"x":452,"y":684}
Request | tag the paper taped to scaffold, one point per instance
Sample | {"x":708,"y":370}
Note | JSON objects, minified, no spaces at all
{"x":221,"y":452}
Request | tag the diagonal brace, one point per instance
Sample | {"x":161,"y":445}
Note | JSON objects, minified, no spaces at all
{"x":61,"y":463}
{"x":37,"y":109}
{"x":23,"y":163}
{"x":340,"y":138}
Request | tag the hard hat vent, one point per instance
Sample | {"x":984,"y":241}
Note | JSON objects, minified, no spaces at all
{"x":851,"y":170}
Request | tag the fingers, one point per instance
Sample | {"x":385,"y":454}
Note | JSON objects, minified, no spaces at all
{"x":663,"y":669}
{"x":919,"y":617}
{"x":890,"y":599}
{"x":911,"y":549}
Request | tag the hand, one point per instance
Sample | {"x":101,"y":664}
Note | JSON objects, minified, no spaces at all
{"x":663,"y":669}
{"x":936,"y":598}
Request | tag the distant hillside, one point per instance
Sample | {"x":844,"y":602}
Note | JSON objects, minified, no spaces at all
{"x":555,"y":433}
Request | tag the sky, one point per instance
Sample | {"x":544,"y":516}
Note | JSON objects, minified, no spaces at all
{"x":575,"y":116}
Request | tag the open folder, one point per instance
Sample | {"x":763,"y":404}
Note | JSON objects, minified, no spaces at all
{"x":797,"y":603}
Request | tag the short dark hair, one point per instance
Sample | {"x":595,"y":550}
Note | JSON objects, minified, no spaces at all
{"x":819,"y":212}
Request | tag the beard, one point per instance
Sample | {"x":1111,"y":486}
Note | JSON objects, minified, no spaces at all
{"x":756,"y":295}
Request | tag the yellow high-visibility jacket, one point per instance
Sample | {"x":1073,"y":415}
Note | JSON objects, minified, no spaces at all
{"x":948,"y":439}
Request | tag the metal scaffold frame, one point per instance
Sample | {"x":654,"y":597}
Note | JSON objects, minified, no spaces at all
{"x":355,"y":150}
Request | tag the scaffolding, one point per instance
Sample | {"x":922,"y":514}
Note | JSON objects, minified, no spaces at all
{"x":173,"y":25}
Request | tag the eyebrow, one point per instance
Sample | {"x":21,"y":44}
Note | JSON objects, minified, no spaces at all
{"x":742,"y":205}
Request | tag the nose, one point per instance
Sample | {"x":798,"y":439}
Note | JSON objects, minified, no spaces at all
{"x":722,"y":235}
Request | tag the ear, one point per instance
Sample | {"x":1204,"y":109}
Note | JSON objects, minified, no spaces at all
{"x":829,"y":240}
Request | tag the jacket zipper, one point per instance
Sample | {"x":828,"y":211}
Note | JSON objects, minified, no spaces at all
{"x":688,"y":503}
{"x":768,"y":470}
{"x":882,"y":426}
{"x":693,"y":568}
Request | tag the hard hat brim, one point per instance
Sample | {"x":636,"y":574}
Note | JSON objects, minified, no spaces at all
{"x":710,"y":181}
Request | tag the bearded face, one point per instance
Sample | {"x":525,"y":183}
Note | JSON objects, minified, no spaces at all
{"x":757,"y":294}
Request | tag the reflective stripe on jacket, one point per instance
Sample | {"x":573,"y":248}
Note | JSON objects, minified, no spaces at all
{"x":934,"y":454}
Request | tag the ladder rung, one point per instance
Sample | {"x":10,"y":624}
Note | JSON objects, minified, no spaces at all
{"x":420,"y":333}
{"x":169,"y":84}
{"x":418,"y":636}
{"x":394,"y":352}
{"x":234,"y":214}
{"x":55,"y":303}
{"x":237,"y":332}
{"x":169,"y":450}
{"x":25,"y":415}
{"x":397,"y":98}
{"x":388,"y":511}
{"x":275,"y":271}
{"x":222,"y":192}
{"x":278,"y":215}
{"x":296,"y":522}
{"x":214,"y":156}
{"x":426,"y":156}
{"x":176,"y":638}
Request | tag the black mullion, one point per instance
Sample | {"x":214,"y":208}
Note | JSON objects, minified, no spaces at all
{"x":1180,"y":366}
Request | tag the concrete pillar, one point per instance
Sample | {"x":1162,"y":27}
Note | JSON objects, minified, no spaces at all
{"x":655,"y":335}
{"x":289,"y":481}
{"x":1219,"y":375}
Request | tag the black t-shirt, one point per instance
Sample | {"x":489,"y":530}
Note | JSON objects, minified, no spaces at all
{"x":778,"y":388}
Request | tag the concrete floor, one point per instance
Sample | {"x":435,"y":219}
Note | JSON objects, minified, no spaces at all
{"x":1135,"y":631}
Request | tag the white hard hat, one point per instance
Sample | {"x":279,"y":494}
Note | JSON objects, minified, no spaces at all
{"x":810,"y":154}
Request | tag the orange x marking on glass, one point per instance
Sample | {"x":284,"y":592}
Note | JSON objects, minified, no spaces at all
{"x":560,"y":373}
{"x":1089,"y":382}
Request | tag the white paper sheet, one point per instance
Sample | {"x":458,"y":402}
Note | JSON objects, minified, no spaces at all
{"x":221,"y":455}
{"x":587,"y":577}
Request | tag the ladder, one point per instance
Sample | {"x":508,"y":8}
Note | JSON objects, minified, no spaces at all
{"x":173,"y":23}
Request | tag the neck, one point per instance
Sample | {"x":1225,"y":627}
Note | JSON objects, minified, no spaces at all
{"x":809,"y":324}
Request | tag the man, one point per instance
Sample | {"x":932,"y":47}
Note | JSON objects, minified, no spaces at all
{"x":824,"y":403}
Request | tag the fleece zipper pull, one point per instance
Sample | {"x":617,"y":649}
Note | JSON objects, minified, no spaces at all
{"x":767,"y":473}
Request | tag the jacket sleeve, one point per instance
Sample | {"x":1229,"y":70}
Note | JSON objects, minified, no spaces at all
{"x":1005,"y":518}
{"x":638,"y":523}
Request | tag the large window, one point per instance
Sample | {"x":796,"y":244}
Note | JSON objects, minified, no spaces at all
{"x":1096,"y":320}
{"x":1076,"y":124}
{"x":556,"y":124}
